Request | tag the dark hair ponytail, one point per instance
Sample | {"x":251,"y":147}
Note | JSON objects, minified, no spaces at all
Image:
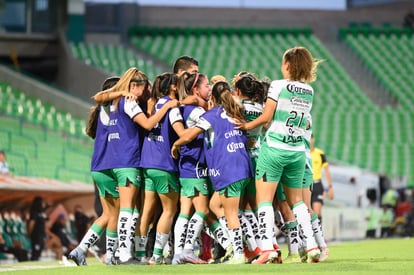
{"x":251,"y":88}
{"x":221,"y":92}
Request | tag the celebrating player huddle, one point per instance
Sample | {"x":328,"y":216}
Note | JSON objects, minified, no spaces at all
{"x":190,"y":160}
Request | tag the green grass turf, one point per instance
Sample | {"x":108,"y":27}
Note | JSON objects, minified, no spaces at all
{"x":390,"y":256}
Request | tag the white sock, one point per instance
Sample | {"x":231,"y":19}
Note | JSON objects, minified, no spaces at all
{"x":92,"y":235}
{"x":247,"y":230}
{"x":223,"y":222}
{"x":251,"y":217}
{"x":195,"y":225}
{"x":111,"y":244}
{"x":236,"y":239}
{"x":140,"y":245}
{"x":221,"y":234}
{"x":134,"y":220}
{"x":124,"y":232}
{"x":293,"y":237}
{"x":180,"y":232}
{"x":266,"y":220}
{"x":303,"y":217}
{"x":317,"y":231}
{"x":161,"y":240}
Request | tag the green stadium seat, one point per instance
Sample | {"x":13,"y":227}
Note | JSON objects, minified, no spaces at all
{"x":28,"y":146}
{"x":335,"y":129}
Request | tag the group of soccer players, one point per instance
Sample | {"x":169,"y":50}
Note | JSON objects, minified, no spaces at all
{"x":183,"y":156}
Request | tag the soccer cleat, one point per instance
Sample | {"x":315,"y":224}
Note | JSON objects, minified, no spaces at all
{"x":168,"y":259}
{"x":251,"y":255}
{"x":267,"y":256}
{"x":324,"y":254}
{"x":292,"y":259}
{"x":142,"y":260}
{"x":107,"y":259}
{"x":218,"y":251}
{"x":65,"y":262}
{"x":77,"y":256}
{"x":278,"y":260}
{"x":313,"y":255}
{"x":155,"y":260}
{"x":303,"y":254}
{"x":205,"y":255}
{"x":177,"y":259}
{"x":233,"y":260}
{"x":228,"y":254}
{"x":192,"y":259}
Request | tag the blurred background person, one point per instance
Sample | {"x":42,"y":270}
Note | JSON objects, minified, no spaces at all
{"x":39,"y":234}
{"x":59,"y":228}
{"x":4,"y":166}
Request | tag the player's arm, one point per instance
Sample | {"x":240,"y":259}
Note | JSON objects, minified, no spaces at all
{"x":328,"y":178}
{"x":264,"y":119}
{"x":150,"y":122}
{"x":176,"y":120}
{"x":189,"y":135}
{"x":108,"y":95}
{"x":190,"y":100}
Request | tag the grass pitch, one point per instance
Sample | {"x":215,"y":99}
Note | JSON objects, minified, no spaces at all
{"x":386,"y":256}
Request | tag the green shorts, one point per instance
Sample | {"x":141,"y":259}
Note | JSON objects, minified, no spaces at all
{"x":160,"y":181}
{"x":308,"y":176}
{"x":280,"y":192}
{"x":193,"y":186}
{"x":236,"y":189}
{"x":106,"y":184}
{"x":278,"y":165}
{"x":125,"y":175}
{"x":251,"y":186}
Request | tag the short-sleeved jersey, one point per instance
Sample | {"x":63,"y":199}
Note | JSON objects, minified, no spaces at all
{"x":294,"y":102}
{"x":124,"y":146}
{"x":227,"y":157}
{"x":253,"y":110}
{"x":100,"y":143}
{"x":192,"y":163}
{"x":156,"y":149}
{"x":319,"y":161}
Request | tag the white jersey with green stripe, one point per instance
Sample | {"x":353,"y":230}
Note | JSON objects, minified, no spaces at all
{"x":253,"y":110}
{"x":307,"y":137}
{"x":294,"y":102}
{"x":307,"y":140}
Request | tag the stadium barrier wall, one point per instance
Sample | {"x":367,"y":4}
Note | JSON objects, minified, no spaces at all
{"x":343,"y":224}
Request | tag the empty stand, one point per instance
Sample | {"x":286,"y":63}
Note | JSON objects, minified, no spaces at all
{"x":114,"y":59}
{"x":347,"y":124}
{"x":38,"y":138}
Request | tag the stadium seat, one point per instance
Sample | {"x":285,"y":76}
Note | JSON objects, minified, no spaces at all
{"x":28,"y":131}
{"x":227,"y":51}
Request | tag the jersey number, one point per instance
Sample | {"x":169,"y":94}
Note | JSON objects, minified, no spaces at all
{"x":292,"y":117}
